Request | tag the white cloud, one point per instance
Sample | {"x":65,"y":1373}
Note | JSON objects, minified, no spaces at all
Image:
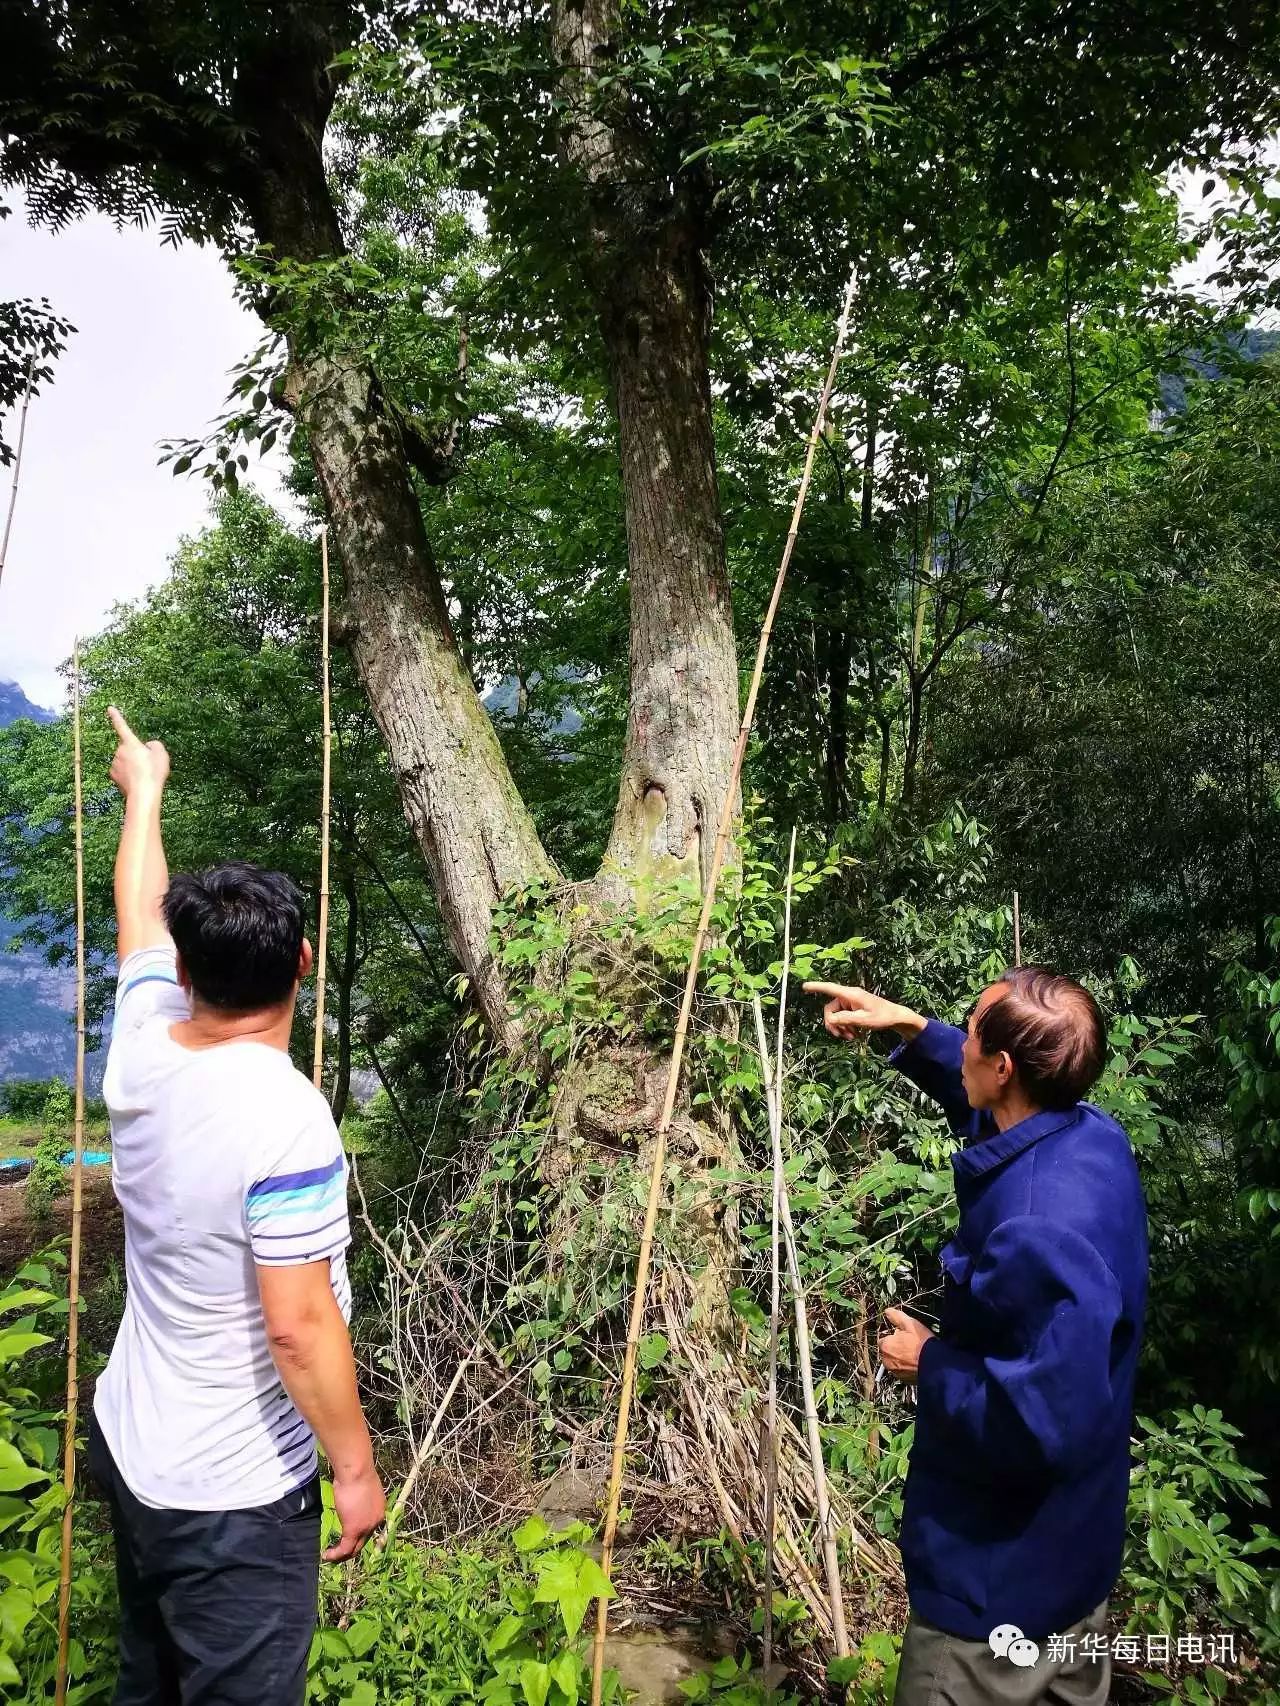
{"x":97,"y":518}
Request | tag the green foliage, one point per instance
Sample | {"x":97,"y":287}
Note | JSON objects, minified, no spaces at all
{"x":503,"y":1625}
{"x":24,"y":1098}
{"x":1188,"y":1563}
{"x":33,"y":1315}
{"x":47,"y":1178}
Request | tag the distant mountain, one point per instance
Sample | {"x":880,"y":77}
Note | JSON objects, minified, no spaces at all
{"x":1253,"y":344}
{"x":37,"y":1035}
{"x":15,"y":704}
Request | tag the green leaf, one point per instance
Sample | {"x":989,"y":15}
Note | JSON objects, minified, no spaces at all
{"x":363,"y":1634}
{"x":652,"y":1349}
{"x":1158,"y":1547}
{"x":746,"y":1308}
{"x":535,"y":1681}
{"x":508,"y":1631}
{"x":27,"y":1297}
{"x":531,"y":1533}
{"x":566,"y":1673}
{"x":14,"y":1345}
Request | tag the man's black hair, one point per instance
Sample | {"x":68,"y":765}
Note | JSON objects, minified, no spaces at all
{"x":238,"y":930}
{"x":1051,"y":1028}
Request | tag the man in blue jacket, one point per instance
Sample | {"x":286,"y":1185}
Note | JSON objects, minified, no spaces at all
{"x":1014,"y":1511}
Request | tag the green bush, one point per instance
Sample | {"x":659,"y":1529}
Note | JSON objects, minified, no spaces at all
{"x":24,"y":1098}
{"x":47,"y":1178}
{"x":33,"y":1322}
{"x":503,"y":1626}
{"x":1189,"y":1565}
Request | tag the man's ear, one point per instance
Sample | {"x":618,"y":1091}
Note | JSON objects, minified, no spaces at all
{"x":306,"y":959}
{"x":1004,"y":1067}
{"x":184,"y":979}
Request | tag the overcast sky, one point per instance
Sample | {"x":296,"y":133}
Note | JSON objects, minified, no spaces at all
{"x":97,"y":518}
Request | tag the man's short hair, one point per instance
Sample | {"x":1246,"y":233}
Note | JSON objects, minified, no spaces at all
{"x":238,"y":930}
{"x":1051,"y":1028}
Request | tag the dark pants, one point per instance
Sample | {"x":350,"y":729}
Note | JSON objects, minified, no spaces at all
{"x":938,"y":1669}
{"x":217,"y":1608}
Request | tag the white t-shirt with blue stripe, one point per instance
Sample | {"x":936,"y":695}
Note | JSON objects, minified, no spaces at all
{"x":223,"y":1159}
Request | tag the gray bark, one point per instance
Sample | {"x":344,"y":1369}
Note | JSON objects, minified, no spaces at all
{"x":459,"y":797}
{"x":653,"y":296}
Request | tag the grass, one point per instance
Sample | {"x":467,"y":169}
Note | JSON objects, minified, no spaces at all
{"x":18,"y":1138}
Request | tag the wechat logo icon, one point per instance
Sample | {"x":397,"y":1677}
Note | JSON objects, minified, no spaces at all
{"x":1007,"y":1641}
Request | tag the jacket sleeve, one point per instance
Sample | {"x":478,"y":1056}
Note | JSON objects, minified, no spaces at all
{"x":932,"y":1062}
{"x":1031,"y":1407}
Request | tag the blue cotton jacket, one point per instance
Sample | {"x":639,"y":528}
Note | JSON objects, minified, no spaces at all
{"x":1014,"y":1509}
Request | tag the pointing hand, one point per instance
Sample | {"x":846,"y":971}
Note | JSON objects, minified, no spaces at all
{"x":137,"y":765}
{"x":850,"y":1009}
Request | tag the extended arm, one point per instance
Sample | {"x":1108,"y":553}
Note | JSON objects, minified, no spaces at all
{"x":929,"y":1053}
{"x":140,"y":771}
{"x":312,"y":1351}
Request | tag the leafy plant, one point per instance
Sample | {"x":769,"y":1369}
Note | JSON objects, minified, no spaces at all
{"x":503,"y":1626}
{"x":1188,"y":1564}
{"x":33,"y":1315}
{"x":47,"y":1179}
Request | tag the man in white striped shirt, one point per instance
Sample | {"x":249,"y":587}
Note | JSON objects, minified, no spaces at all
{"x":233,"y":1357}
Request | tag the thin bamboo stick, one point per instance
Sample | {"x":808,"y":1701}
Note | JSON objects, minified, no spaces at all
{"x":775,"y":1307}
{"x":424,"y":1450}
{"x":322,"y":925}
{"x":17,"y":462}
{"x":77,"y":1174}
{"x":822,"y":1498}
{"x":1017,"y":930}
{"x":727,"y":810}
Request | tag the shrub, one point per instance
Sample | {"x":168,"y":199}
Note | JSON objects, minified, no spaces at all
{"x":504,"y":1626}
{"x":47,"y":1179}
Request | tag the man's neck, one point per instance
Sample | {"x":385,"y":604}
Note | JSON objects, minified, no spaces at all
{"x":209,"y":1026}
{"x":1013,"y":1110}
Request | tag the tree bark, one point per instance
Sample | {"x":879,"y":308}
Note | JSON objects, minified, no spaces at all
{"x":650,"y":284}
{"x":459,"y":797}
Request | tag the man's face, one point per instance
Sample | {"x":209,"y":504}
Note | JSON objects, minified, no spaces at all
{"x":985,"y":1076}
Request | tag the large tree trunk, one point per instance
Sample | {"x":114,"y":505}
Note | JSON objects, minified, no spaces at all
{"x":458,"y":794}
{"x":652,"y":291}
{"x":646,"y":272}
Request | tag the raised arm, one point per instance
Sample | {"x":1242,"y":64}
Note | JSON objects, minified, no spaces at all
{"x":140,"y":771}
{"x":929,"y":1052}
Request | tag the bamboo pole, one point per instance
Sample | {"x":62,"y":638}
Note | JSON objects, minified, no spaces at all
{"x":17,"y":463}
{"x":822,"y":1498}
{"x":727,"y":810}
{"x":775,"y":1307}
{"x":77,"y":1175}
{"x":1017,"y":930}
{"x":322,"y":925}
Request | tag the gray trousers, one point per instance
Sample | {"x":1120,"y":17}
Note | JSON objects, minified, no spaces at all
{"x":938,"y":1669}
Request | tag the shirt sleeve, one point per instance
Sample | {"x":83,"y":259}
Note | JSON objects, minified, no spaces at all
{"x":1031,"y":1406}
{"x":932,"y":1062}
{"x":296,"y":1210}
{"x":148,"y":986}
